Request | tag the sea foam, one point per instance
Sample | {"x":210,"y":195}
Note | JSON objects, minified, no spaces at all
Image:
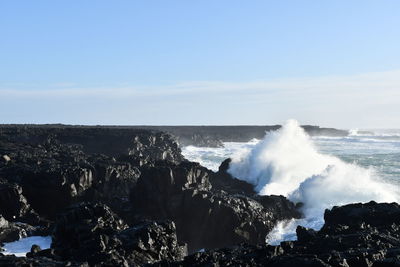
{"x":286,"y":162}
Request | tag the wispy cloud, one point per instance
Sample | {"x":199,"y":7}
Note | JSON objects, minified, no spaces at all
{"x":374,"y":83}
{"x":364,"y":100}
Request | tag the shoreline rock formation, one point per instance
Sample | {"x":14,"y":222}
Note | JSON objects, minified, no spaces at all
{"x":202,"y":136}
{"x":113,"y":196}
{"x":353,"y":235}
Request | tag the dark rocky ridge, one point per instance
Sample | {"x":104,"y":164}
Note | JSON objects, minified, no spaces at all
{"x":214,"y":136}
{"x":138,"y":175}
{"x":353,"y":235}
{"x":211,"y":136}
{"x":133,"y":200}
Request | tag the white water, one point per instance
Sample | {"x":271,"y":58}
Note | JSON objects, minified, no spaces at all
{"x":21,"y":247}
{"x":287,"y":162}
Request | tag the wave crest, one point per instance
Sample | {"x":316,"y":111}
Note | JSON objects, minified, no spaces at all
{"x":286,"y":162}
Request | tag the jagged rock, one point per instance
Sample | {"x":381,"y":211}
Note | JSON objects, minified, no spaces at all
{"x":93,"y":233}
{"x":111,"y":141}
{"x":352,"y":236}
{"x":214,"y":136}
{"x":305,"y":234}
{"x":279,"y":206}
{"x":182,"y":193}
{"x":363,"y":215}
{"x":14,"y":206}
{"x":221,"y":220}
{"x":58,"y":164}
{"x":10,"y":231}
{"x":158,"y":146}
{"x":141,"y":174}
{"x":12,"y":203}
{"x":151,"y":242}
{"x":158,"y":192}
{"x":222,"y":180}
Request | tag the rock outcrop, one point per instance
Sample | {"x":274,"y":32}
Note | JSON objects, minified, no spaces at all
{"x":127,"y":197}
{"x":206,"y":218}
{"x":353,"y":235}
{"x":61,"y":165}
{"x":214,"y":136}
{"x":93,"y":233}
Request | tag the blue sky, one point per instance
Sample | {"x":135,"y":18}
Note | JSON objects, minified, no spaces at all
{"x":331,"y":63}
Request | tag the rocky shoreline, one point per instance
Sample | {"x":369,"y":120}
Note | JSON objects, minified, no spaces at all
{"x":124,"y":196}
{"x":201,"y":136}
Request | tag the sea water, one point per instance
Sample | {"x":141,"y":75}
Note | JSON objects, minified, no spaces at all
{"x":320,"y":171}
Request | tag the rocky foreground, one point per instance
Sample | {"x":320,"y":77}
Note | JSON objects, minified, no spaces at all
{"x":127,"y":197}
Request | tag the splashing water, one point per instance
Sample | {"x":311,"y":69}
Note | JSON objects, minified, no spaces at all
{"x":286,"y":162}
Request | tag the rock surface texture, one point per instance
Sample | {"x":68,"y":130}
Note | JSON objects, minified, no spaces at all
{"x":353,"y":235}
{"x":124,"y":196}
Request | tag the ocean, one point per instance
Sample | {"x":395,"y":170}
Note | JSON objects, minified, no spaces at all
{"x":319,"y":171}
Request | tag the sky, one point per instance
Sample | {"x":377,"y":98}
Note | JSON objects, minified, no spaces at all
{"x":226,"y":62}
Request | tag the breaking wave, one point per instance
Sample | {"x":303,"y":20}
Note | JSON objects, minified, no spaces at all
{"x":286,"y":162}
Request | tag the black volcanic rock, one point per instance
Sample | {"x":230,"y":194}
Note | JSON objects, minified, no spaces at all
{"x":83,"y":232}
{"x":10,"y":231}
{"x":222,"y":220}
{"x":13,"y":205}
{"x":137,"y":175}
{"x":214,"y":136}
{"x":111,"y":141}
{"x":368,"y":214}
{"x":205,"y":218}
{"x":48,"y":172}
{"x":56,"y":164}
{"x":158,"y":192}
{"x":354,"y":235}
{"x":279,"y":206}
{"x":222,"y":180}
{"x":93,"y":233}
